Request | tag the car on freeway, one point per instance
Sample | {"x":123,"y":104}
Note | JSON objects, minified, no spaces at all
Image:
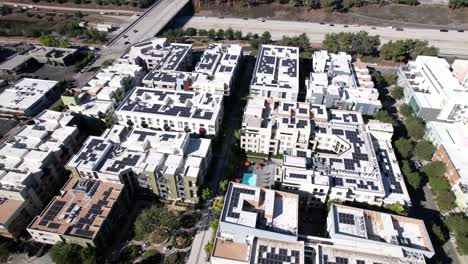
{"x":373,"y":27}
{"x":346,"y":26}
{"x":460,"y":30}
{"x":135,"y":31}
{"x":126,"y":42}
{"x":125,"y":36}
{"x":332,"y":25}
{"x":444,"y":30}
{"x":399,"y":29}
{"x":245,"y":18}
{"x":261,"y":19}
{"x":322,"y":23}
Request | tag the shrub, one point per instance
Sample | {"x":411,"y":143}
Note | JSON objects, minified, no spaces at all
{"x":404,"y":147}
{"x":397,"y":92}
{"x":182,"y":239}
{"x":405,"y":110}
{"x":415,"y":127}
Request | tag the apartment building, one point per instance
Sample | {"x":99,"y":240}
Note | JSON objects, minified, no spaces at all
{"x":99,"y":97}
{"x":365,"y":236}
{"x":276,"y":74}
{"x":451,"y":141}
{"x":336,"y":81}
{"x":254,"y":227}
{"x":28,"y":97}
{"x":163,"y":109}
{"x":349,"y":161}
{"x":53,"y":55}
{"x":86,"y":212}
{"x":214,"y":73}
{"x":158,"y":53}
{"x":32,"y":168}
{"x":217,"y":69}
{"x":432,"y":91}
{"x":169,"y":164}
{"x":271,"y":127}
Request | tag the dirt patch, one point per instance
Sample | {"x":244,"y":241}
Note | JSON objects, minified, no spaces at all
{"x":397,"y":15}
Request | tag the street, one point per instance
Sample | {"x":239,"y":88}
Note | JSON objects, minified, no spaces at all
{"x":450,"y":43}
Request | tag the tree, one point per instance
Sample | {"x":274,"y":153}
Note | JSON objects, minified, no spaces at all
{"x":70,"y":254}
{"x":311,"y":3}
{"x":415,"y":127}
{"x":266,"y":38}
{"x":403,"y":50}
{"x":404,"y":147}
{"x":175,"y":258}
{"x":153,"y":218}
{"x":384,"y":116}
{"x":229,"y":34}
{"x":435,"y":169}
{"x":331,"y":5}
{"x":211,"y":34}
{"x":220,"y":34}
{"x":145,"y":3}
{"x":455,"y":4}
{"x":202,"y":32}
{"x":458,"y":225}
{"x":218,"y":204}
{"x":301,"y":41}
{"x":206,"y":194}
{"x":405,"y":110}
{"x":214,"y":225}
{"x":130,"y":253}
{"x":391,"y":78}
{"x":223,"y":185}
{"x":151,"y":256}
{"x":412,"y":178}
{"x":191,"y":32}
{"x":293,"y":2}
{"x":238,"y":34}
{"x":359,"y":43}
{"x":397,"y":92}
{"x":396,"y":208}
{"x":424,"y":150}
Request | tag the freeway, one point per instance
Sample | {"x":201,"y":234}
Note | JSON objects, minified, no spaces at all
{"x":153,"y":20}
{"x":450,"y":43}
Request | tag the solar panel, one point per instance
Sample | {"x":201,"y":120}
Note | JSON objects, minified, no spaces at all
{"x":297,"y":176}
{"x":340,"y":260}
{"x":344,"y":218}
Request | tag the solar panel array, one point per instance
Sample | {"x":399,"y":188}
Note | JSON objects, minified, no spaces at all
{"x":235,"y":195}
{"x":387,"y":171}
{"x":272,"y":255}
{"x":297,"y":176}
{"x":344,"y":218}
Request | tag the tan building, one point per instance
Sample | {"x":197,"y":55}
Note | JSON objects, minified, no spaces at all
{"x":84,"y":213}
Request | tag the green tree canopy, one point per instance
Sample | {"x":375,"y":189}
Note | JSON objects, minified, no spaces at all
{"x":223,"y":185}
{"x":70,"y":254}
{"x":404,"y":147}
{"x":384,"y":116}
{"x":265,"y":38}
{"x":455,"y":4}
{"x":360,"y":43}
{"x":415,"y":127}
{"x":229,"y":34}
{"x":409,"y":49}
{"x":220,"y":34}
{"x":458,"y":224}
{"x":191,"y":31}
{"x":206,"y":194}
{"x":153,"y":218}
{"x":424,"y":150}
{"x":211,"y":34}
{"x":218,"y":204}
{"x":405,"y":110}
{"x":435,"y":169}
{"x":238,"y":34}
{"x":397,"y":92}
{"x":301,"y":41}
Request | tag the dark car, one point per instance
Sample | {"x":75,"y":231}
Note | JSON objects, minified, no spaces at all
{"x":460,"y":30}
{"x":135,"y":31}
{"x":345,"y":26}
{"x":332,"y":25}
{"x":245,"y":18}
{"x":322,"y":23}
{"x":372,"y":27}
{"x":399,"y":29}
{"x":444,"y":30}
{"x":126,"y":42}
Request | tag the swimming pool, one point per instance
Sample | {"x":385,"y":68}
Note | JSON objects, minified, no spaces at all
{"x":249,"y":179}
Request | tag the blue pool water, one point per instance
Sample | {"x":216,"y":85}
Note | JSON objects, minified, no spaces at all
{"x":249,"y":179}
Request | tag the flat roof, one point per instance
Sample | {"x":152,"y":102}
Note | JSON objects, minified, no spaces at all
{"x":80,"y":210}
{"x":251,"y":206}
{"x":277,"y":67}
{"x":381,"y":227}
{"x":24,"y":94}
{"x":185,"y":104}
{"x":231,"y":250}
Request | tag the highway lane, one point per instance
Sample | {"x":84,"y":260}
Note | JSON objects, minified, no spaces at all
{"x":450,"y":43}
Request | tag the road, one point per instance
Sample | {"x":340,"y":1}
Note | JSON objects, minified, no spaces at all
{"x":450,"y":43}
{"x":71,"y":9}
